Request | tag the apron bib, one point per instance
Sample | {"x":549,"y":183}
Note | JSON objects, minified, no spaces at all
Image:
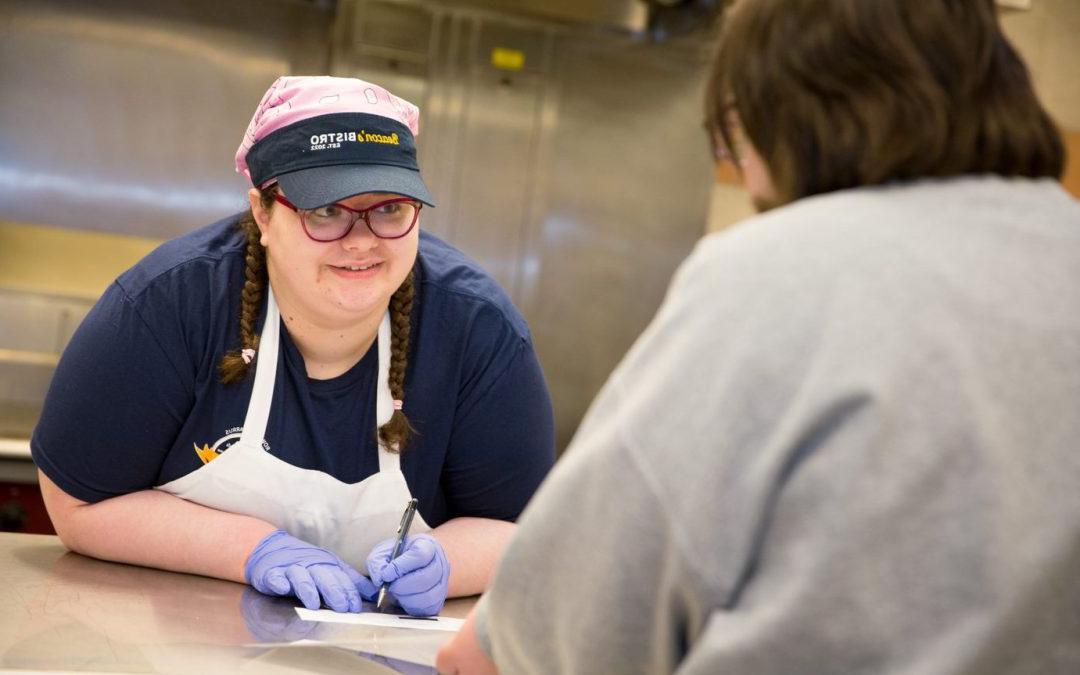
{"x":347,"y":519}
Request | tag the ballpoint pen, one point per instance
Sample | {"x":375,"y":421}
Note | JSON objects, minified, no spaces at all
{"x":399,"y":545}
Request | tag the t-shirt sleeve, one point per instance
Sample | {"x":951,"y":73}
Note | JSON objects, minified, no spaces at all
{"x":503,"y":439}
{"x":116,"y":402}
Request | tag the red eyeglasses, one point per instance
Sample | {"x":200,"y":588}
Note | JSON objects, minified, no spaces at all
{"x":390,"y":219}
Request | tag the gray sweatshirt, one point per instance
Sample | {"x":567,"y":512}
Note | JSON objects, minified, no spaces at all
{"x":849,"y":442}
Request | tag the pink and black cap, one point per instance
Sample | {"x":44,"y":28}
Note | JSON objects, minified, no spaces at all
{"x":324,"y":139}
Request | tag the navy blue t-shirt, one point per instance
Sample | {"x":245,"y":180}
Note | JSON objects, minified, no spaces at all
{"x":136,"y":391}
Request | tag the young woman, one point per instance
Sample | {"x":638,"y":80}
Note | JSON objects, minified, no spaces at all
{"x":259,"y":399}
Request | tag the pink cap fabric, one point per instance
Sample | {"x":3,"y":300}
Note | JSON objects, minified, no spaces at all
{"x":293,"y":99}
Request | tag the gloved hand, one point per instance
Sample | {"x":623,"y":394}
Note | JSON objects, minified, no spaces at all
{"x":281,"y":564}
{"x":418,"y":578}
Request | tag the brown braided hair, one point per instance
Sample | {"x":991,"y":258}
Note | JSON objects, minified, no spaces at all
{"x":232,"y":368}
{"x":397,"y":430}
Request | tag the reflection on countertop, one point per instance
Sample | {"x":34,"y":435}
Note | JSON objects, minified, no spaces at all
{"x":64,"y":611}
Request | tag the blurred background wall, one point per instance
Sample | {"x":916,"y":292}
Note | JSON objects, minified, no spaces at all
{"x":562,"y":142}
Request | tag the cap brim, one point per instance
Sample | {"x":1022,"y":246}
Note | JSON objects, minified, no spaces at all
{"x":309,"y":188}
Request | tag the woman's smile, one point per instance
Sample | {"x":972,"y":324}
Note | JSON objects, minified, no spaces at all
{"x":357,"y":270}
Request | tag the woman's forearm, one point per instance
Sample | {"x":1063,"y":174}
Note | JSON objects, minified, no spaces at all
{"x":473,"y":546}
{"x":155,"y":529}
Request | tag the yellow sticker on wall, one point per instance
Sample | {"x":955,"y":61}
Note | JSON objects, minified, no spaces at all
{"x":507,"y":59}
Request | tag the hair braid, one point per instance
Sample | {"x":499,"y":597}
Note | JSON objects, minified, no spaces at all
{"x":232,"y":367}
{"x":396,"y":432}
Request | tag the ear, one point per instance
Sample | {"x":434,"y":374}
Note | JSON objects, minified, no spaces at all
{"x":261,"y":215}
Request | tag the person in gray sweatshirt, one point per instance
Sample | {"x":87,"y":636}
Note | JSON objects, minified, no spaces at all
{"x":849,"y":442}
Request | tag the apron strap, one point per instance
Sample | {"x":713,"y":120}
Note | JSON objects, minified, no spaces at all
{"x":384,"y":405}
{"x":266,"y":363}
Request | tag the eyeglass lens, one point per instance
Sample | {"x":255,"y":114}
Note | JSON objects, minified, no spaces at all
{"x":387,"y":220}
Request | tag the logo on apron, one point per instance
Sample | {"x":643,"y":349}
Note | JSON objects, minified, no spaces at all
{"x":208,"y":453}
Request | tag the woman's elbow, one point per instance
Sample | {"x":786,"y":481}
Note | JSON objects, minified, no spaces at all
{"x":62,"y":509}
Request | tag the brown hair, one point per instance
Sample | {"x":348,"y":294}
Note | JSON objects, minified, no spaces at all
{"x":232,"y":367}
{"x":841,"y":93}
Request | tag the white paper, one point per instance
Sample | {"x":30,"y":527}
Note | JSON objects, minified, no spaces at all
{"x":443,"y":623}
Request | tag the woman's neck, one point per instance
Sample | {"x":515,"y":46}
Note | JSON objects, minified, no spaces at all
{"x":329,"y":350}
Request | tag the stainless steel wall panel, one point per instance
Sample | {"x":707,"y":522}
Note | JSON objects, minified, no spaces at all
{"x":443,"y":122}
{"x":395,"y":25}
{"x":624,"y":15}
{"x":388,"y":43}
{"x":627,"y":188}
{"x":124,"y":116}
{"x":33,"y":331}
{"x":29,"y":323}
{"x":38,"y":323}
{"x":22,"y":391}
{"x":496,"y":170}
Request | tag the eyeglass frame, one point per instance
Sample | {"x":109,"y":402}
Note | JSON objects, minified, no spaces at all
{"x":359,"y":213}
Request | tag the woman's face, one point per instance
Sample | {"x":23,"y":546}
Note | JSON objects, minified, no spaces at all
{"x":334,"y":283}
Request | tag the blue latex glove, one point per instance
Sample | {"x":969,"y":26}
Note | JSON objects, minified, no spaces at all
{"x":418,"y":578}
{"x":281,"y":564}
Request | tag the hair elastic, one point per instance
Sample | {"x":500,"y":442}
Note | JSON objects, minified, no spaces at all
{"x":248,"y":355}
{"x":398,"y":404}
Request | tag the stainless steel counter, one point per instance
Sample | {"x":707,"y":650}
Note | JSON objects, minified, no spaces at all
{"x":61,"y":611}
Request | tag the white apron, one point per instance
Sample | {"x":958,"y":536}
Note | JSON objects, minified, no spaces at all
{"x":348,"y":519}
